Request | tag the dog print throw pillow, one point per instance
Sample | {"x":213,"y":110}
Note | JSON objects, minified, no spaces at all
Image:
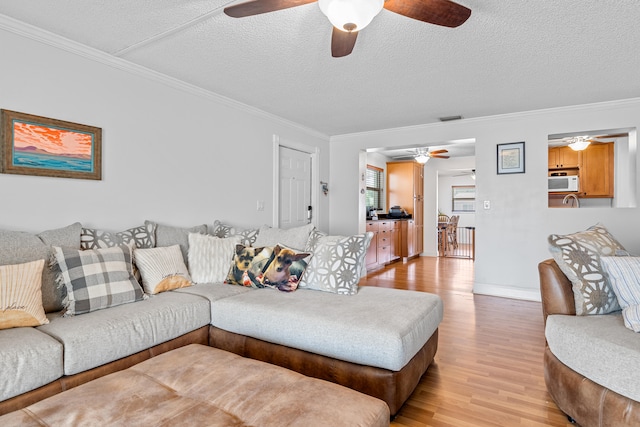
{"x":248,"y":263}
{"x":277,"y":267}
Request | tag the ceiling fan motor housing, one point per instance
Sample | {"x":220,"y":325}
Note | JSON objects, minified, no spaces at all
{"x":350,"y":15}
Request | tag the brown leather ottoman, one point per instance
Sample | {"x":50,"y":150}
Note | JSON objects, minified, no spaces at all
{"x":200,"y":385}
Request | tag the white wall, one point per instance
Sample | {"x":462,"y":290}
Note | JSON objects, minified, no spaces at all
{"x":171,"y":153}
{"x":511,"y":236}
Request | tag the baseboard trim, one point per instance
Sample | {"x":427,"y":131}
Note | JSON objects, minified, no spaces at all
{"x":507,"y":292}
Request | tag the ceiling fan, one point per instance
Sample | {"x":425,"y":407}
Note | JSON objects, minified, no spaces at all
{"x":470,"y":173}
{"x":580,"y":142}
{"x":348,"y":17}
{"x":422,"y":155}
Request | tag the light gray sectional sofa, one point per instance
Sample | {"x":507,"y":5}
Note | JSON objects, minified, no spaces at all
{"x":378,"y":341}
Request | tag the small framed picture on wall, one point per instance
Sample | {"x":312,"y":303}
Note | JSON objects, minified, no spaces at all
{"x":511,"y":158}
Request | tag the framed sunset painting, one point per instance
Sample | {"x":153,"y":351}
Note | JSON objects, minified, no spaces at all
{"x":33,"y":145}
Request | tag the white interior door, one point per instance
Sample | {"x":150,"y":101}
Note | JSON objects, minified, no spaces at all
{"x":294,"y":188}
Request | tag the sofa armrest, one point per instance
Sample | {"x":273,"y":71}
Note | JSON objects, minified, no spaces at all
{"x":555,"y":289}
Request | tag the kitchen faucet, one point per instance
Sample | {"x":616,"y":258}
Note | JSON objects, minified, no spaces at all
{"x":565,"y":201}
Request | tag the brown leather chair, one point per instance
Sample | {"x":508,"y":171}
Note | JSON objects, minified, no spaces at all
{"x":588,"y":403}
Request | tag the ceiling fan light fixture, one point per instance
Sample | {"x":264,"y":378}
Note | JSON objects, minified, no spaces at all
{"x":422,"y":158}
{"x":350,"y":15}
{"x":578,"y":143}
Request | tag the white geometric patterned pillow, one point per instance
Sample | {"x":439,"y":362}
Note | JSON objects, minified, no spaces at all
{"x":162,"y":269}
{"x":624,"y":273}
{"x":97,"y":278}
{"x":222,"y":230}
{"x":578,"y":256}
{"x":314,"y":236}
{"x":336,"y":264}
{"x":21,"y":295}
{"x":210,"y":257}
{"x":143,"y":236}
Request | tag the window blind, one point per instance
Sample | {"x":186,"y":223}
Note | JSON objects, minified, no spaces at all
{"x":374,"y":187}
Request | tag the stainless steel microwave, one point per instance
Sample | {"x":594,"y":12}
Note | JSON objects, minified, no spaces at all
{"x":563,"y":183}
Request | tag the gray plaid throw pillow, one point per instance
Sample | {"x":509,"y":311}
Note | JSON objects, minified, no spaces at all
{"x":97,"y":278}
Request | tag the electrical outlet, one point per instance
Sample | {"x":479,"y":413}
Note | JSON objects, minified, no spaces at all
{"x":260,"y":205}
{"x":487,"y":204}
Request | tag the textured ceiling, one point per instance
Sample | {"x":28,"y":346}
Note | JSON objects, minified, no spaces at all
{"x":509,"y":56}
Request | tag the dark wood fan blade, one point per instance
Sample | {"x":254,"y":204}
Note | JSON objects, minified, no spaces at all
{"x":615,"y":135}
{"x":439,"y":157}
{"x":438,"y":12}
{"x":342,"y":42}
{"x":257,"y":7}
{"x":439,"y":151}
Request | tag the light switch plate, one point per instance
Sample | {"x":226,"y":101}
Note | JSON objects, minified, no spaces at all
{"x":487,"y":204}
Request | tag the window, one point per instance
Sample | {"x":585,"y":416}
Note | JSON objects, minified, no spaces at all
{"x":374,"y":187}
{"x":463,"y":198}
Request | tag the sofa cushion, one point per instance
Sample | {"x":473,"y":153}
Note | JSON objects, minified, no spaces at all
{"x":210,"y":257}
{"x":336,"y":264}
{"x":162,"y":269}
{"x":143,"y":236}
{"x":354,"y":329}
{"x":167,"y":235}
{"x":103,"y":336}
{"x":28,"y":359}
{"x":624,"y":273}
{"x":578,"y":256}
{"x":21,"y":295}
{"x":17,"y":247}
{"x":598,"y":347}
{"x":213,"y":291}
{"x":295,"y":237}
{"x":247,"y":235}
{"x":97,"y":278}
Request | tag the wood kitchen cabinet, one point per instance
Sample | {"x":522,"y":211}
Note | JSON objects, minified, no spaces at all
{"x":383,"y":248}
{"x":405,"y":188}
{"x":371,"y":259}
{"x":408,"y":233}
{"x":395,"y":247}
{"x":563,"y":158}
{"x":596,"y":171}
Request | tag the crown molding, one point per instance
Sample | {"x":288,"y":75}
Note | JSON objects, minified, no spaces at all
{"x":46,"y":37}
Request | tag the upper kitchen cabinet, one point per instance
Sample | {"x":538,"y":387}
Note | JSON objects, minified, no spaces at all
{"x":596,"y":171}
{"x":595,"y":168}
{"x":563,"y":158}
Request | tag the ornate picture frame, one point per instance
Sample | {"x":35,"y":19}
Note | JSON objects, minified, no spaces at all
{"x":41,"y":146}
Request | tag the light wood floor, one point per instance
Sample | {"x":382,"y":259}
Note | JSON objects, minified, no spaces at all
{"x":488,"y":368}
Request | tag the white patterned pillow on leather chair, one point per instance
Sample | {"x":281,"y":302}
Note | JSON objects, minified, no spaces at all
{"x":578,"y":256}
